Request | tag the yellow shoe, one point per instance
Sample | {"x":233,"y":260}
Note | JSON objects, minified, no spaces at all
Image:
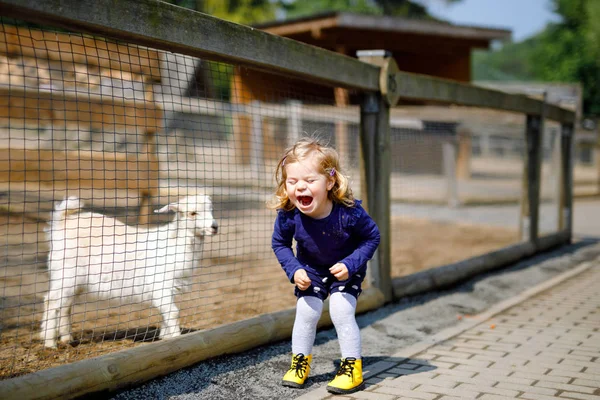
{"x":349,"y":377}
{"x":298,"y":372}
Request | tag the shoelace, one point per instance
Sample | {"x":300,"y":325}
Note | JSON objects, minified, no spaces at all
{"x":347,"y":367}
{"x":299,"y":363}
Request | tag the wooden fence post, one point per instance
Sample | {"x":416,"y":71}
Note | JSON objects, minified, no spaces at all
{"x":376,"y":160}
{"x":565,"y":216}
{"x":530,"y":203}
{"x":376,"y":176}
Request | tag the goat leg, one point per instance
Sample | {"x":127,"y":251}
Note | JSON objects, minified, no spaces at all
{"x":170,"y":315}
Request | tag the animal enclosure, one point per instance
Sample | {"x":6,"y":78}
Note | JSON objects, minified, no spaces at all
{"x":128,"y":123}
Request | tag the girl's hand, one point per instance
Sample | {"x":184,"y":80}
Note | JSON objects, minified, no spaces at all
{"x":340,"y":271}
{"x":301,"y":279}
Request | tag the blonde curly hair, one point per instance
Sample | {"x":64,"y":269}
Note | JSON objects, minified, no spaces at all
{"x":329,"y":162}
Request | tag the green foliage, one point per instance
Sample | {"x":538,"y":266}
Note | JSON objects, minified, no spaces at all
{"x":301,"y":8}
{"x":511,"y":63}
{"x":239,"y":11}
{"x":255,"y":11}
{"x":567,"y":51}
{"x":401,"y":8}
{"x":570,"y":50}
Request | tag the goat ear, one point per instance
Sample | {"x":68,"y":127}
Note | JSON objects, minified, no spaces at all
{"x":167,"y":208}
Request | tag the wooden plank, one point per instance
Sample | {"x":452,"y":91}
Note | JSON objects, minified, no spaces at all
{"x":427,"y":88}
{"x":78,"y":169}
{"x":164,"y":26}
{"x":314,"y":26}
{"x":76,"y":48}
{"x":62,"y":108}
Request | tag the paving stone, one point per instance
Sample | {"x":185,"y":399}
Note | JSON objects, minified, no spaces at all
{"x":374,"y":395}
{"x":566,"y":387}
{"x":403,"y":393}
{"x":537,"y":377}
{"x":436,"y":390}
{"x":527,"y":388}
{"x":574,"y":395}
{"x":486,"y":396}
{"x":536,"y":396}
{"x":586,"y":382}
{"x":399,"y":383}
{"x":481,"y":387}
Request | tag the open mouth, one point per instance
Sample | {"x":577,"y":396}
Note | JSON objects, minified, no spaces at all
{"x":305,"y":200}
{"x":206,"y":232}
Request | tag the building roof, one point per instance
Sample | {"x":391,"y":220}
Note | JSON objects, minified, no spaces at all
{"x":428,"y":47}
{"x":319,"y":24}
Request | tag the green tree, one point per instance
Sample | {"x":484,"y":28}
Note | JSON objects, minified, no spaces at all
{"x":510,"y":63}
{"x":403,"y":8}
{"x":569,"y":51}
{"x":239,"y":11}
{"x":566,"y":51}
{"x":301,"y":8}
{"x":256,"y":11}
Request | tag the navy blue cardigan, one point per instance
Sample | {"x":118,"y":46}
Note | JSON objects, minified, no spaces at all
{"x":348,"y":235}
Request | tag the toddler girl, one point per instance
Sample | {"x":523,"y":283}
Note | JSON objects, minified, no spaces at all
{"x":335,"y":238}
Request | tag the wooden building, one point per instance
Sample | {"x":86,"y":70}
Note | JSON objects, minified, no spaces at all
{"x":66,"y":100}
{"x":421,"y":46}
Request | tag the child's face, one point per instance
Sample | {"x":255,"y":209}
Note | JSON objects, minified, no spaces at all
{"x":307,"y":189}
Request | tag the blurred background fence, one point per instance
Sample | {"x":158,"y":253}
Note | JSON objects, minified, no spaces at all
{"x":133,"y":109}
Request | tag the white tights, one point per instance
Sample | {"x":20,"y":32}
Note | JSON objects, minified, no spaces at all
{"x":342,"y":308}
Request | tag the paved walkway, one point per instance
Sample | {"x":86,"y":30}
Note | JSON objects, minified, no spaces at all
{"x":542,"y":344}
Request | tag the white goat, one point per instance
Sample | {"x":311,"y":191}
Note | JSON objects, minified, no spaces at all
{"x":98,"y":254}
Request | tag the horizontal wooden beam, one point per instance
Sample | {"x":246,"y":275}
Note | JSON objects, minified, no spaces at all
{"x":57,"y":107}
{"x":164,"y":26}
{"x":430,"y":89}
{"x":301,"y":26}
{"x":65,"y":47}
{"x":78,"y":169}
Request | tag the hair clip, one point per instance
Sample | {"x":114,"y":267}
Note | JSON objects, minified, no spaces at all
{"x":283,"y":161}
{"x":332,"y":172}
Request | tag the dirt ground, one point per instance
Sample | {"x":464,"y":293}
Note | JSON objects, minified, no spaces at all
{"x":239,"y":279}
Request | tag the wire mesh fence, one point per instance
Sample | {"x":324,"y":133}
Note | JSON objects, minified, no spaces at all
{"x":457,"y":186}
{"x":128,"y":130}
{"x":78,"y":119}
{"x":96,"y":134}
